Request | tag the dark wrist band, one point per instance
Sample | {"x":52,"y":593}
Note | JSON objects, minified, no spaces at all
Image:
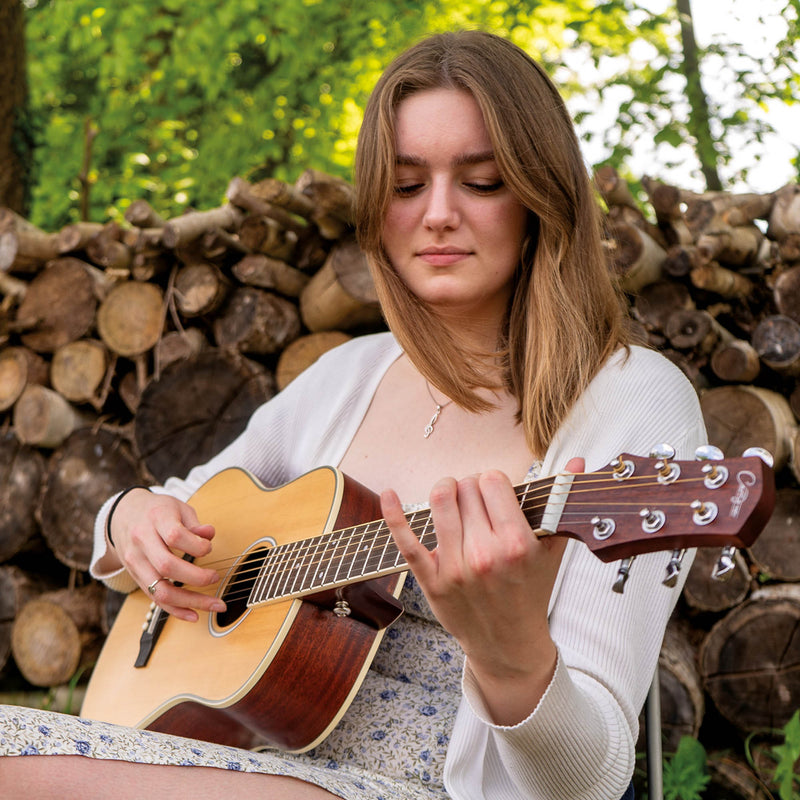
{"x":114,"y":508}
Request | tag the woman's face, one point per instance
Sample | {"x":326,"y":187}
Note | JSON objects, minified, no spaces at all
{"x":453,"y":231}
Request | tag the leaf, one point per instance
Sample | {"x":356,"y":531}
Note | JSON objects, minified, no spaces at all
{"x":685,"y":776}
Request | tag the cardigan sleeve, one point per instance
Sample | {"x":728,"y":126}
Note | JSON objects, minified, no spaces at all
{"x":579,"y":742}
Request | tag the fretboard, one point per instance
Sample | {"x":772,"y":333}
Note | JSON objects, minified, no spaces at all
{"x":365,"y":551}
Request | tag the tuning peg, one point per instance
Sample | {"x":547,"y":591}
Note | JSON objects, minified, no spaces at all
{"x":763,"y":454}
{"x":674,"y":568}
{"x":668,"y":472}
{"x":707,"y":452}
{"x":622,"y":575}
{"x":716,"y":475}
{"x":725,"y":564}
{"x":664,"y":451}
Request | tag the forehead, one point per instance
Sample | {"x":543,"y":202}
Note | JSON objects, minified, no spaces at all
{"x":436,"y":123}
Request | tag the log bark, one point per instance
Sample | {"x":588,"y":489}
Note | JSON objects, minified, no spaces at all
{"x":331,"y":196}
{"x":634,"y":256}
{"x":141,"y":214}
{"x":21,"y":475}
{"x":270,"y":273}
{"x":179,"y":345}
{"x":261,"y":234}
{"x":59,"y":306}
{"x":738,"y":417}
{"x":786,"y":292}
{"x":733,"y":246}
{"x":243,"y":195}
{"x":713,"y":277}
{"x":83,"y":473}
{"x":784,"y":219}
{"x":303,"y":352}
{"x":341,"y":295}
{"x":131,"y":318}
{"x":57,"y":632}
{"x":750,"y":660}
{"x":776,"y":552}
{"x":190,"y":227}
{"x":108,"y":250}
{"x":256,"y":321}
{"x":197,"y":407}
{"x":77,"y":236}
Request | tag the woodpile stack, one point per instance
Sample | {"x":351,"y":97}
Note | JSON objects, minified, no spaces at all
{"x":130,"y":352}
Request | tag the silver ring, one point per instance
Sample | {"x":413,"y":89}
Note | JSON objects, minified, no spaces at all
{"x":152,"y":587}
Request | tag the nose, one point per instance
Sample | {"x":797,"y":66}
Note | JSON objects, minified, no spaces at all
{"x":441,"y":211}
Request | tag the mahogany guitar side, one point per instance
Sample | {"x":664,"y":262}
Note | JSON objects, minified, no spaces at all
{"x":281,"y":673}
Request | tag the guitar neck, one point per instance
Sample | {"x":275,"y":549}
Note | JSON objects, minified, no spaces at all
{"x":365,"y":551}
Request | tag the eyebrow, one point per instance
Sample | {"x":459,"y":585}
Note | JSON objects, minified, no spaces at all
{"x":464,"y":159}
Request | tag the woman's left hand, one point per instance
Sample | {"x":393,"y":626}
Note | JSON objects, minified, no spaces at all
{"x":489,"y":582}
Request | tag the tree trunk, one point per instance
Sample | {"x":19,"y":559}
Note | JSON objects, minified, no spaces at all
{"x":698,"y":102}
{"x":16,"y":140}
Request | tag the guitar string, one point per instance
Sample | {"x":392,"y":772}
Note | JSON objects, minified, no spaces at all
{"x":382,"y":539}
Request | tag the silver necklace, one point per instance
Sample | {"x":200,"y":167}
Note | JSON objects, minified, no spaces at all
{"x":439,"y":408}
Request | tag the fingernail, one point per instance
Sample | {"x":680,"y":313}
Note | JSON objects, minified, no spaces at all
{"x":218,"y":606}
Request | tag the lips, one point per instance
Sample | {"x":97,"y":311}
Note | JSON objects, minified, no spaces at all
{"x":442,"y":256}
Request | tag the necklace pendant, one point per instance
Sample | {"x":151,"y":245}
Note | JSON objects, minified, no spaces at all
{"x":429,"y":427}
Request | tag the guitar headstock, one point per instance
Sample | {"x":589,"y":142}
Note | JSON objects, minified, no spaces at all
{"x":638,"y":504}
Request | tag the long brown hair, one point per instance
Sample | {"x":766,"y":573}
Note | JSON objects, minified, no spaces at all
{"x":565,"y":316}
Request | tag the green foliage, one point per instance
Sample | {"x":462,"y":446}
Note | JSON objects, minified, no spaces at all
{"x":685,"y":775}
{"x":187,"y":95}
{"x":785,"y":755}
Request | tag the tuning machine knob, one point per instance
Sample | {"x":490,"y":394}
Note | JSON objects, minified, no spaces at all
{"x":674,"y":568}
{"x":763,"y":454}
{"x":725,"y":565}
{"x":668,"y":471}
{"x":623,"y":573}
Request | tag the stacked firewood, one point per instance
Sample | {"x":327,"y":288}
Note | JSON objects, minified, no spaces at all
{"x":130,"y":351}
{"x":714,"y":283}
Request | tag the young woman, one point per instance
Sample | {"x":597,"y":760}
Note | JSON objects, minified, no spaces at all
{"x":515,"y":671}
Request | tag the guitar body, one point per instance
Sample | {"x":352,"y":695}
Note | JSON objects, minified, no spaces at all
{"x":282,"y":673}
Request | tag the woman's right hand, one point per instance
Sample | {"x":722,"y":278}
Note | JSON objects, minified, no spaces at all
{"x":151,"y":532}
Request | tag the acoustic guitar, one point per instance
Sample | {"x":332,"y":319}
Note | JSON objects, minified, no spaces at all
{"x":311,"y":577}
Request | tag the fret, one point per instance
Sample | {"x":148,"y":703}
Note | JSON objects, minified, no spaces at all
{"x":258,"y":592}
{"x":358,"y":567}
{"x":384,"y":528}
{"x":310,"y":561}
{"x":346,"y":555}
{"x":327,"y":561}
{"x":289,"y":571}
{"x":274,"y":571}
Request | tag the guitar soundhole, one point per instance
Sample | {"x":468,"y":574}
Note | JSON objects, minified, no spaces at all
{"x":237,"y":590}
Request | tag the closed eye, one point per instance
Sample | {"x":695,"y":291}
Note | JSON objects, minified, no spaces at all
{"x":485,"y":188}
{"x":407,"y":189}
